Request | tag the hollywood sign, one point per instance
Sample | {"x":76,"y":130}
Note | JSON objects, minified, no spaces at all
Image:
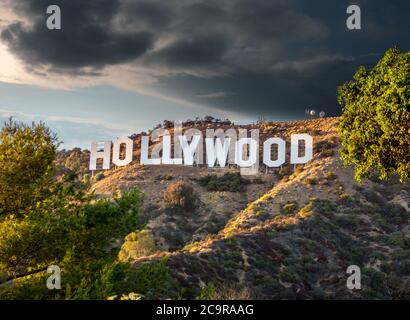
{"x":222,"y":148}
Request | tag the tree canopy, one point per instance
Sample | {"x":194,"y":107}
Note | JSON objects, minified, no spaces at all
{"x":375,"y":123}
{"x":48,"y":221}
{"x":27,"y":153}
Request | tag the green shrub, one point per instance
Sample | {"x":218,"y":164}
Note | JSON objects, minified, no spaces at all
{"x":310,"y":181}
{"x":289,"y":207}
{"x":136,"y":245}
{"x":396,"y":239}
{"x":228,"y":182}
{"x":344,"y":197}
{"x":86,"y":178}
{"x":373,"y":197}
{"x":150,"y":280}
{"x":376,"y":280}
{"x":318,"y":206}
{"x":348,"y":221}
{"x":395,"y":213}
{"x":327,"y":153}
{"x":206,"y":292}
{"x":99,"y":176}
{"x":224,"y":292}
{"x":324,"y":145}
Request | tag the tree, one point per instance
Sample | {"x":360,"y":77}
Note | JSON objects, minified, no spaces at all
{"x":26,"y":164}
{"x":59,"y":223}
{"x":375,"y":123}
{"x":66,"y":229}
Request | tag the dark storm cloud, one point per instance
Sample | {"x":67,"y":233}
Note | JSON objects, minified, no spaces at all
{"x":146,"y":14}
{"x":87,"y":38}
{"x":264,"y":93}
{"x":200,"y":50}
{"x":269,"y":57}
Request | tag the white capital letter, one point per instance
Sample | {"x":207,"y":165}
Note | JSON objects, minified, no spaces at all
{"x":144,"y":152}
{"x":189,"y":149}
{"x":166,"y":152}
{"x":221,"y":152}
{"x":104,"y":154}
{"x":294,"y":149}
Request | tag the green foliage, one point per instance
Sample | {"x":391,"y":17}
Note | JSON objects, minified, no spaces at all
{"x":348,"y":221}
{"x":26,"y":165}
{"x":79,"y":239}
{"x":58,"y":231}
{"x":289,"y":208}
{"x":207,"y":292}
{"x":327,"y":153}
{"x":316,"y":206}
{"x":96,"y":281}
{"x":325,"y":148}
{"x":99,"y":176}
{"x":54,"y":222}
{"x":375,"y":124}
{"x":180,"y":195}
{"x":150,"y":279}
{"x":233,"y":182}
{"x":310,"y":181}
{"x":330,"y":176}
{"x":225,"y":292}
{"x":395,"y":214}
{"x":136,"y":245}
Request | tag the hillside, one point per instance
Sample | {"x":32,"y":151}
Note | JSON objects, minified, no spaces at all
{"x":290,"y":233}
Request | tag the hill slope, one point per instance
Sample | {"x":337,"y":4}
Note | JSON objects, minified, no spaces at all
{"x":289,"y":234}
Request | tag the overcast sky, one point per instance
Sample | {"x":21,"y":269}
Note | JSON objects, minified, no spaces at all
{"x":120,"y":66}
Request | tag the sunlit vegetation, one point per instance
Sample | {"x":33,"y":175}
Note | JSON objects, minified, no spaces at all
{"x":136,"y":245}
{"x":375,"y":123}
